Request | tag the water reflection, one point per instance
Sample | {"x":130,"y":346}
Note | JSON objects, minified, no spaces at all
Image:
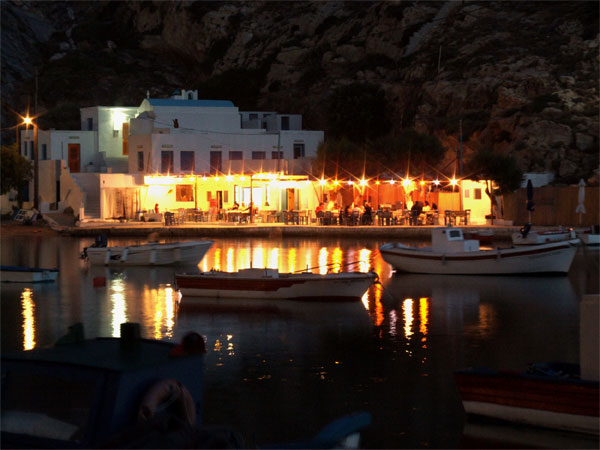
{"x":28,"y":319}
{"x":479,"y":308}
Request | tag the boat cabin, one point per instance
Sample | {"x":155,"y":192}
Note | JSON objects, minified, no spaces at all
{"x":451,"y":240}
{"x":81,"y":392}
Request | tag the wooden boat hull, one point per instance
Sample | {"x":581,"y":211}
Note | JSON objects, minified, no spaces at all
{"x":347,"y":286}
{"x":13,"y":274}
{"x":547,"y":258}
{"x":153,"y":254}
{"x":542,"y":237}
{"x":551,"y":402}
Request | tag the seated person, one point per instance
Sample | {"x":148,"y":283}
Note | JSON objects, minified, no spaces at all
{"x":367,"y":217}
{"x":320,"y":208}
{"x":426,"y":207}
{"x":434,"y":207}
{"x":235,"y":206}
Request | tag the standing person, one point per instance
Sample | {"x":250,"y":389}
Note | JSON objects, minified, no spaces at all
{"x":156,"y":208}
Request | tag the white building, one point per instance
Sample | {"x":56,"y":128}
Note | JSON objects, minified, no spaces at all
{"x":127,"y":159}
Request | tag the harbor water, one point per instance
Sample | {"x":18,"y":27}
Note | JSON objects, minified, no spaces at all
{"x":280,"y":371}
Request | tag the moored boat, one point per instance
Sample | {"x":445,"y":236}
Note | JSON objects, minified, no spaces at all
{"x":549,"y":395}
{"x":527,"y":237}
{"x":270,"y":284}
{"x":150,"y":254}
{"x":18,"y":274}
{"x":451,"y":254}
{"x":590,"y":237}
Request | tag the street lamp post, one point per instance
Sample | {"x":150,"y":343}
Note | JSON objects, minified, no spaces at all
{"x":36,"y":168}
{"x":36,"y":179}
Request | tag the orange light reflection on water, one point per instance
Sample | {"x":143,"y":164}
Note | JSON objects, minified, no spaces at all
{"x":407,"y":308}
{"x":119,"y":306}
{"x":28,"y":319}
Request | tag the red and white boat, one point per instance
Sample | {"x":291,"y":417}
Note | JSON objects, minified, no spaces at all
{"x":548,"y":395}
{"x":451,"y":254}
{"x":270,"y":284}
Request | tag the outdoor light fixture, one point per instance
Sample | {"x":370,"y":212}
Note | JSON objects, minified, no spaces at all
{"x":229,"y":178}
{"x":392,"y":181}
{"x":406,"y":182}
{"x":363,"y":182}
{"x":350,"y":182}
{"x":453,"y":182}
{"x":322,"y":182}
{"x":436,"y":182}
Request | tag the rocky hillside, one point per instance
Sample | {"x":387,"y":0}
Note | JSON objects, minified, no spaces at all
{"x":518,"y":77}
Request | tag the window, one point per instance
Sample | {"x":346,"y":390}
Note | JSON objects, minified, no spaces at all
{"x":166,"y":162}
{"x":31,"y":149}
{"x":467,"y":193}
{"x":215,"y":162}
{"x":236,"y":156}
{"x":25,"y":149}
{"x":44,"y":151}
{"x":184,"y":193}
{"x":276,"y":155}
{"x":140,"y":161}
{"x":253,"y":116}
{"x":236,"y":194}
{"x":298,"y":151}
{"x":90,"y":123}
{"x":285,"y":123}
{"x":477,"y":193}
{"x":187,"y":163}
{"x":259,"y":155}
{"x":115,"y":133}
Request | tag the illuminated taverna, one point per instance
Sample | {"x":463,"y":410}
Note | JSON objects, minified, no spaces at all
{"x":185,"y":154}
{"x":179,"y":152}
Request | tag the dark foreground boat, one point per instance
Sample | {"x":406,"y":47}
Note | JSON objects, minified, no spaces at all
{"x":123,"y":392}
{"x":547,"y":395}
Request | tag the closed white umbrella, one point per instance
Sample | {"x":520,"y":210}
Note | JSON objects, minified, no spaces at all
{"x":580,"y":200}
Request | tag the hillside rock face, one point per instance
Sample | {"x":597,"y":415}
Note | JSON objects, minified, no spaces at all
{"x":518,"y":77}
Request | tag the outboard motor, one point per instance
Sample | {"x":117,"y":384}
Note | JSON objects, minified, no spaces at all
{"x":100,"y":241}
{"x":525,"y":230}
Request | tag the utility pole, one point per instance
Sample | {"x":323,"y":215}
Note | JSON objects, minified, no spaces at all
{"x":460,"y":153}
{"x":36,"y":164}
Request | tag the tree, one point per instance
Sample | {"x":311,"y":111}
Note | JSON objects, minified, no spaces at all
{"x":502,"y":169}
{"x":410,"y":150}
{"x":358,"y":111}
{"x":16,"y":171}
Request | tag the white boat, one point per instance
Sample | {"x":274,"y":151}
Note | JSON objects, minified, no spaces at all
{"x":17,"y":274}
{"x":451,"y":254}
{"x":151,"y":254}
{"x":270,"y":284}
{"x":590,"y":237}
{"x":527,"y":237}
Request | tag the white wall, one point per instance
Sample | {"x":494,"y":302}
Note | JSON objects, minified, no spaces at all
{"x":204,"y":143}
{"x":57,"y":142}
{"x":195,"y":118}
{"x":479,"y":207}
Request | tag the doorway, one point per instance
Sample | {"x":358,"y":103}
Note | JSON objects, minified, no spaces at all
{"x":74,"y":151}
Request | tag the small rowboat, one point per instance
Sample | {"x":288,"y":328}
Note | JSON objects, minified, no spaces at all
{"x":270,"y":284}
{"x":451,"y":254}
{"x":16,"y":274}
{"x":151,"y":254}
